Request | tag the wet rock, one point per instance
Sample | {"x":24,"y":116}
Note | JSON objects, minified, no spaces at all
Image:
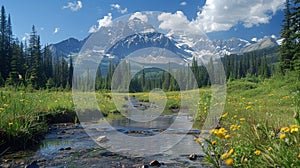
{"x":192,"y":156}
{"x":155,"y":163}
{"x":102,"y":139}
{"x":68,"y":148}
{"x":33,"y":165}
{"x":108,"y":154}
{"x":41,"y":160}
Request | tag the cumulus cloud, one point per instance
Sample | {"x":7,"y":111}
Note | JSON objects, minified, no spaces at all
{"x":140,"y":16}
{"x":118,"y":7}
{"x":74,"y":6}
{"x":106,"y":21}
{"x":56,"y":30}
{"x":221,"y":15}
{"x":183,"y":3}
{"x":177,"y":22}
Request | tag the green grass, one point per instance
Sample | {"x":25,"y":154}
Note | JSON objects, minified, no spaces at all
{"x":255,"y":111}
{"x":23,"y":115}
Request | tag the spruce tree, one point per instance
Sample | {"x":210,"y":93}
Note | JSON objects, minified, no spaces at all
{"x":286,"y":54}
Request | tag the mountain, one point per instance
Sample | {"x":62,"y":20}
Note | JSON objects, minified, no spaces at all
{"x":265,"y":43}
{"x":67,"y":47}
{"x":147,"y":37}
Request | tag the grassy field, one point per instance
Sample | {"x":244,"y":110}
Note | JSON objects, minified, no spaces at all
{"x":258,"y":127}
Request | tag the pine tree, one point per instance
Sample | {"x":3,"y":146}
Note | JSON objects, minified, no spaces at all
{"x":5,"y":41}
{"x":286,"y":54}
{"x":47,"y":62}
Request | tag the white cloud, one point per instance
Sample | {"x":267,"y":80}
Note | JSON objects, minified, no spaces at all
{"x":140,"y":16}
{"x":106,"y":21}
{"x":56,"y":30}
{"x":221,"y":15}
{"x":118,"y":7}
{"x":73,"y":6}
{"x":183,"y":3}
{"x":177,"y":22}
{"x":254,"y":39}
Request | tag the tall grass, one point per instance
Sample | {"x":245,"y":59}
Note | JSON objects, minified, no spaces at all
{"x":258,"y":128}
{"x":22,"y":114}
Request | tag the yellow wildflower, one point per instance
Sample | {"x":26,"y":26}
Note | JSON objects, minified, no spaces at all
{"x":242,"y":119}
{"x":10,"y":123}
{"x":299,"y":156}
{"x":248,"y":107}
{"x":234,"y":127}
{"x":221,"y":132}
{"x":1,"y":109}
{"x":224,"y":156}
{"x":282,"y":136}
{"x":229,"y":161}
{"x":224,"y":115}
{"x":5,"y":105}
{"x":257,"y":152}
{"x":285,"y":129}
{"x":230,"y":152}
{"x":227,"y":136}
{"x":269,"y":149}
{"x":198,"y":140}
{"x":214,"y":142}
{"x":293,"y":128}
{"x":213,"y":131}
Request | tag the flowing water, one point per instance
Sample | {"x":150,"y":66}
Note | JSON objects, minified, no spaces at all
{"x":93,"y":145}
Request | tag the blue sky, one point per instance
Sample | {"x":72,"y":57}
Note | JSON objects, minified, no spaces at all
{"x":56,"y":20}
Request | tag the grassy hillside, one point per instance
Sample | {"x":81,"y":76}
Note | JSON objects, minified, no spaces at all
{"x":258,"y":127}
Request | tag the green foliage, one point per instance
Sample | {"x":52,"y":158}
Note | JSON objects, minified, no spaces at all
{"x":31,"y":65}
{"x":289,"y":49}
{"x":260,"y":124}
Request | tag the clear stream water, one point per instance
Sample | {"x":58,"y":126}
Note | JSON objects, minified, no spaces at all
{"x":69,"y":145}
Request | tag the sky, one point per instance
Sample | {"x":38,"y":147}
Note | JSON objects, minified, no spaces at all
{"x":57,"y":20}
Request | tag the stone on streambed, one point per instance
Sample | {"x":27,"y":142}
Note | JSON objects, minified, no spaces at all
{"x":102,"y":139}
{"x":154,"y":163}
{"x":193,"y":156}
{"x":67,"y":148}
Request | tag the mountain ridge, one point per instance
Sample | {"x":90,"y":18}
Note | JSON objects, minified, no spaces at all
{"x":148,"y":37}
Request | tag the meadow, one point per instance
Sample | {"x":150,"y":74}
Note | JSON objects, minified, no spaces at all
{"x":259,"y":126}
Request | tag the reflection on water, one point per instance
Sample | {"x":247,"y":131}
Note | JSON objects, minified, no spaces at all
{"x":162,"y":122}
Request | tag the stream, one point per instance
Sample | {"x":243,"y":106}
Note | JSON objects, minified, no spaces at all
{"x":92,"y":145}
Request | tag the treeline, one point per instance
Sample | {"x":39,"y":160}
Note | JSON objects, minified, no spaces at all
{"x":29,"y":64}
{"x":119,"y":76}
{"x":290,"y":33}
{"x":171,"y":79}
